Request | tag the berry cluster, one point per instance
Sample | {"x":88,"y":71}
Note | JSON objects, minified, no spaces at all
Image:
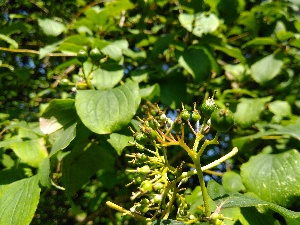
{"x":160,"y":190}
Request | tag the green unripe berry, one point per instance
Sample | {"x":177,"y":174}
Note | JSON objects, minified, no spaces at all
{"x":153,"y":123}
{"x":82,"y":56}
{"x":222,"y":120}
{"x":141,"y":138}
{"x":139,"y":179}
{"x":144,"y":201}
{"x":153,"y":135}
{"x":64,"y":81}
{"x":217,"y":222}
{"x":196,"y":116}
{"x":215,"y":216}
{"x":149,"y":132}
{"x":146,"y":186}
{"x":95,"y":54}
{"x":158,"y":186}
{"x":176,"y":126}
{"x":208,"y":107}
{"x":157,"y":198}
{"x":144,"y":169}
{"x":185,"y":115}
{"x":141,"y":158}
{"x":163,"y":118}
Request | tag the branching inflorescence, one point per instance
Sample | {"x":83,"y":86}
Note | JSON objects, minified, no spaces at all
{"x":157,"y":193}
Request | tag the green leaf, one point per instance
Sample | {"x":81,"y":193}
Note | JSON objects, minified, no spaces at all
{"x":295,"y":43}
{"x":119,"y":141}
{"x":150,"y":92}
{"x":267,"y":68}
{"x":108,"y":111}
{"x":115,"y":49}
{"x":200,"y":23}
{"x":19,"y":201}
{"x":252,"y":216}
{"x":44,"y":172}
{"x":248,"y":142}
{"x":283,"y":35}
{"x":248,"y":111}
{"x":235,"y":199}
{"x":51,"y":27}
{"x":168,"y":222}
{"x":260,"y":41}
{"x":237,"y":71}
{"x":173,"y":90}
{"x":74,"y":43}
{"x":31,"y":152}
{"x":60,"y":113}
{"x":194,"y":200}
{"x":274,"y":178}
{"x":197,"y":63}
{"x":281,"y":109}
{"x":59,"y":120}
{"x":107,"y":77}
{"x":63,"y":138}
{"x":82,"y":163}
{"x":48,"y":49}
{"x":12,"y":42}
{"x":232,"y":181}
{"x":231,"y":51}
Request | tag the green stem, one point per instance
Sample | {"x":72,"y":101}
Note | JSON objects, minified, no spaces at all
{"x":199,"y":136}
{"x":202,"y":185}
{"x":120,"y":209}
{"x":207,"y":142}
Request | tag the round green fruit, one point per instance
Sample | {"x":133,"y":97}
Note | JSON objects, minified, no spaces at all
{"x":95,"y":54}
{"x":208,"y":107}
{"x":196,"y":115}
{"x":185,"y":115}
{"x":222,"y":120}
{"x":82,"y":56}
{"x":146,"y":186}
{"x":141,"y":138}
{"x":144,"y":170}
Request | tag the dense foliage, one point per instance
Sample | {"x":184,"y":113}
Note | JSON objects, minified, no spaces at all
{"x":101,"y":117}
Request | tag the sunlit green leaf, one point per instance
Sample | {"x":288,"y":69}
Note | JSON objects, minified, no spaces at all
{"x":19,"y":201}
{"x":44,"y":172}
{"x":12,"y":42}
{"x":280,"y":109}
{"x":60,"y":113}
{"x":150,"y":92}
{"x":200,"y":23}
{"x":231,"y":51}
{"x":51,"y":27}
{"x":248,"y":110}
{"x":31,"y":152}
{"x":235,"y":199}
{"x":232,"y":181}
{"x":274,"y":177}
{"x":62,"y":138}
{"x":267,"y":68}
{"x":119,"y":141}
{"x":261,"y":41}
{"x":115,"y":49}
{"x":48,"y":49}
{"x":107,"y":77}
{"x":108,"y":111}
{"x":283,"y":35}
